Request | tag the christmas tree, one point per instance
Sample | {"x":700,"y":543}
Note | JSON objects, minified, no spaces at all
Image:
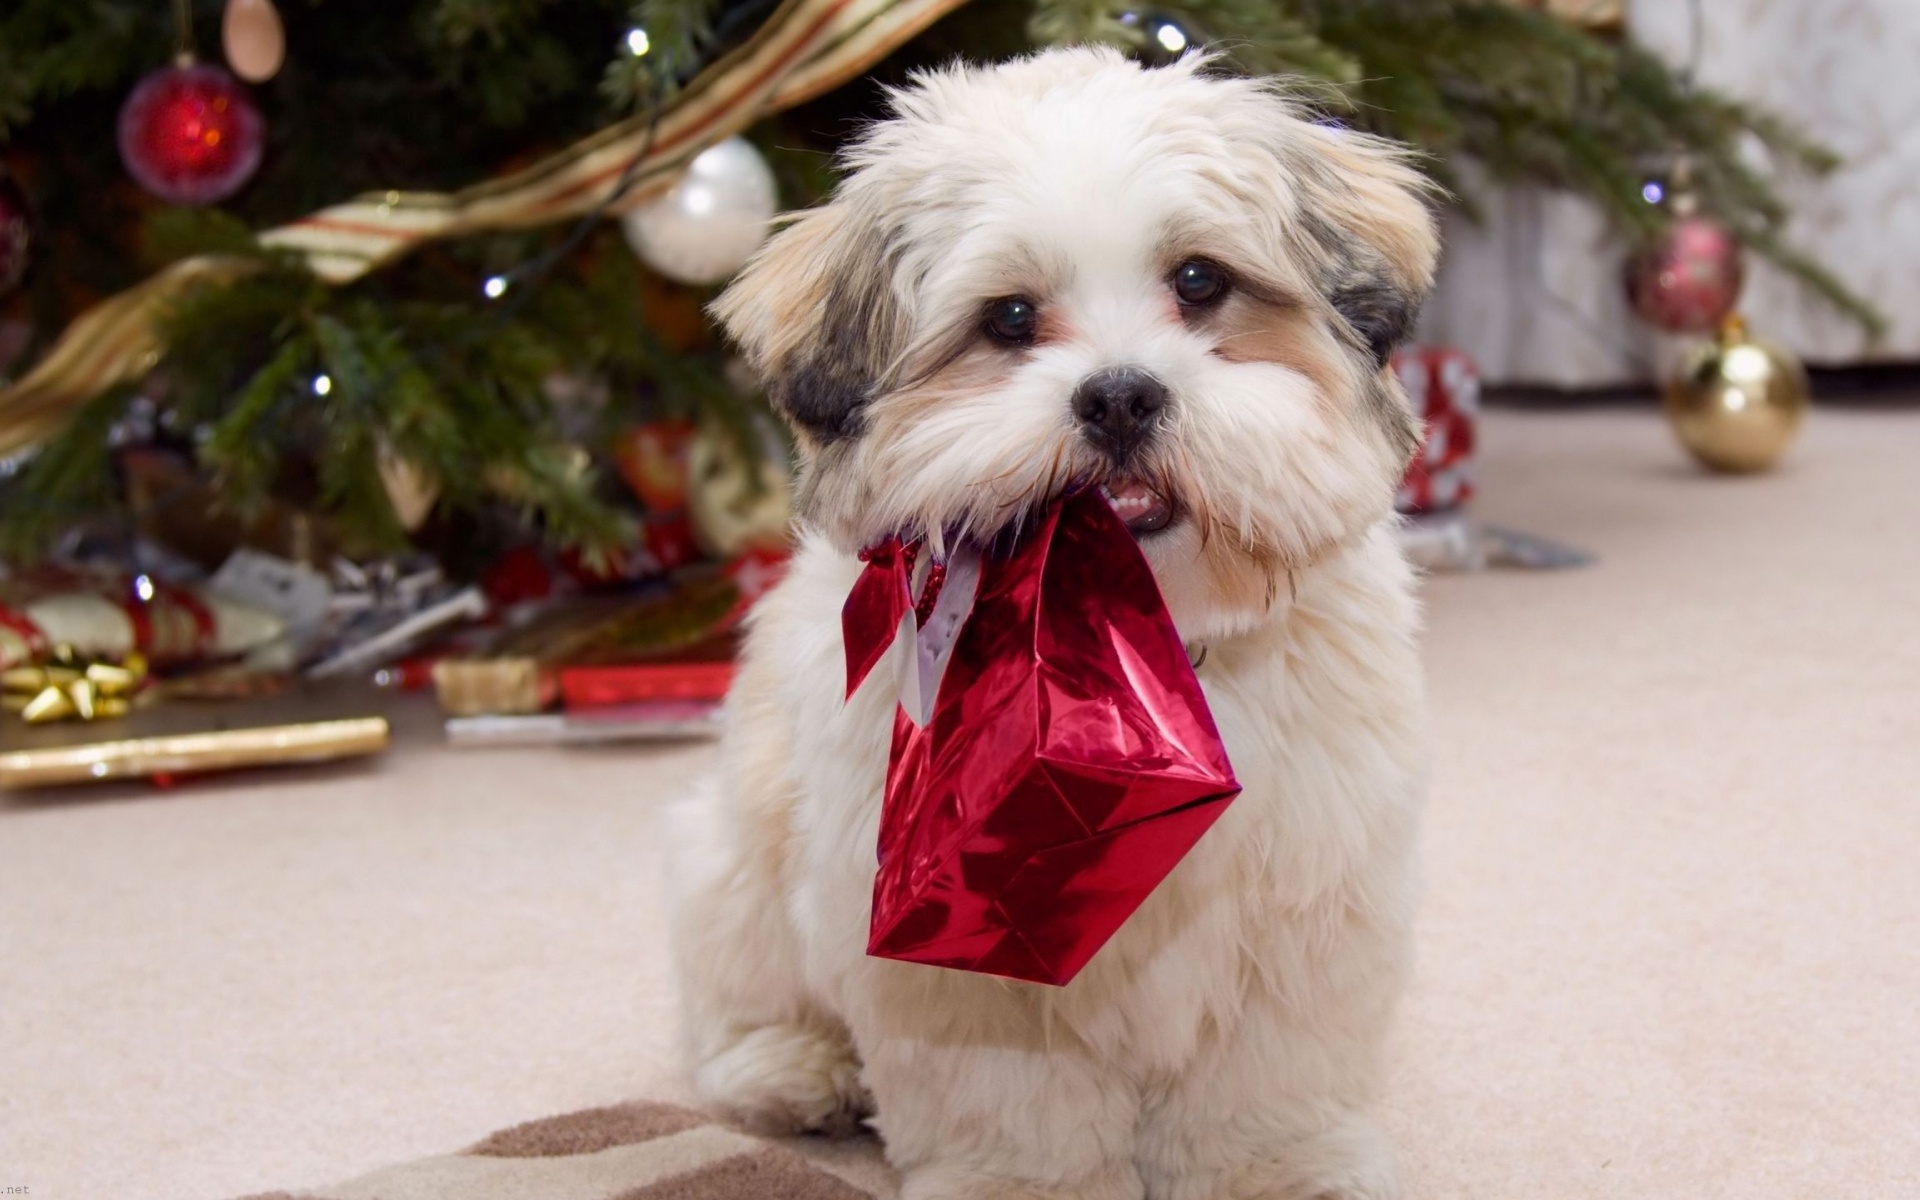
{"x":486,"y":366}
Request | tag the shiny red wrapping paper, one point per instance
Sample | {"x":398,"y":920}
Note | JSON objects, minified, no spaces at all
{"x":1068,"y":764}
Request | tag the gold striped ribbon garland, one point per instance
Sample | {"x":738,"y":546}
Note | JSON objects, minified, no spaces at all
{"x":806,"y":48}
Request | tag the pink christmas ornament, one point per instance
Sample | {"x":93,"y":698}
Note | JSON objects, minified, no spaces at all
{"x":1687,"y":280}
{"x":190,"y":134}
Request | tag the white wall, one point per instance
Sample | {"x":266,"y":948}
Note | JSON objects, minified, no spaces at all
{"x":1535,"y":295}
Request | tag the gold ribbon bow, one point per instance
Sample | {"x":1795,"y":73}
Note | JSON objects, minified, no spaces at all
{"x":72,"y":686}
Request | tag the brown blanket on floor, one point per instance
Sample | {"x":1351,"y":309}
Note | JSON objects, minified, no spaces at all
{"x":626,"y":1152}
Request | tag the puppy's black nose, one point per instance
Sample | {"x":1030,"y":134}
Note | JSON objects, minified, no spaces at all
{"x":1118,"y":408}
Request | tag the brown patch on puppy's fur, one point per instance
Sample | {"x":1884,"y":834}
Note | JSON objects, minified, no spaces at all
{"x":1362,"y":195}
{"x":816,"y":314}
{"x":1366,"y":225}
{"x":1257,"y":330}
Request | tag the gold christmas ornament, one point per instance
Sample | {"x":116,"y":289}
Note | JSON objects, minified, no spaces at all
{"x":1737,"y":402}
{"x":69,"y":685}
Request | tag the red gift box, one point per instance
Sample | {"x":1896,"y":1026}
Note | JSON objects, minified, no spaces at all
{"x":1068,"y":764}
{"x":1444,"y":387}
{"x":630,"y":683}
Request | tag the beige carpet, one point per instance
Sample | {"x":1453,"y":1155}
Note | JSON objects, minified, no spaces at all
{"x":1671,"y":949}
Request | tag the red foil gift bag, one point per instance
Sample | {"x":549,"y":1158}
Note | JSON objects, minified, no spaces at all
{"x":1068,"y":763}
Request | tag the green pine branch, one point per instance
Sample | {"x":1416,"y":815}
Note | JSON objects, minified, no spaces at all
{"x":676,"y":34}
{"x":293,"y":389}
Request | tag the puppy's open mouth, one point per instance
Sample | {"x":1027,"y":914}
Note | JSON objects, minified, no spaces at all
{"x":1138,"y":504}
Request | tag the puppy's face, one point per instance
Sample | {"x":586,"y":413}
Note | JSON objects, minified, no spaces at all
{"x":1070,"y":270}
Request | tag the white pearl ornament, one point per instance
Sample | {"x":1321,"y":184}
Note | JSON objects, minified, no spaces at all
{"x":712,"y":220}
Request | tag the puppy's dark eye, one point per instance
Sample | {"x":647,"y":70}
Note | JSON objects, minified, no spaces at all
{"x":1198,"y":283}
{"x":1013,"y":321}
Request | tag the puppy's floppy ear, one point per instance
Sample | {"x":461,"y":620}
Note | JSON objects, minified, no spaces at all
{"x":1364,"y":212}
{"x":816,"y":314}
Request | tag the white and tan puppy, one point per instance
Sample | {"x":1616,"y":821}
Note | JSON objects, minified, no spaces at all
{"x":1072,"y":269}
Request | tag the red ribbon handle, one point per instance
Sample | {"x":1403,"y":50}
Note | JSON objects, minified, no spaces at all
{"x":879,"y":599}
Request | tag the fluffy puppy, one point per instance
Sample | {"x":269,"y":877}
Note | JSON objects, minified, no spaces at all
{"x":1071,"y":269}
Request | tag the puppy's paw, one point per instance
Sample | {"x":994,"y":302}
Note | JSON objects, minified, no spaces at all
{"x":1351,"y":1161}
{"x":782,"y":1079}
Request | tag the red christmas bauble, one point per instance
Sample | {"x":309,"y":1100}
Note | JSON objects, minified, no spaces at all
{"x":16,"y":234}
{"x":191,"y":134}
{"x":1688,"y":279}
